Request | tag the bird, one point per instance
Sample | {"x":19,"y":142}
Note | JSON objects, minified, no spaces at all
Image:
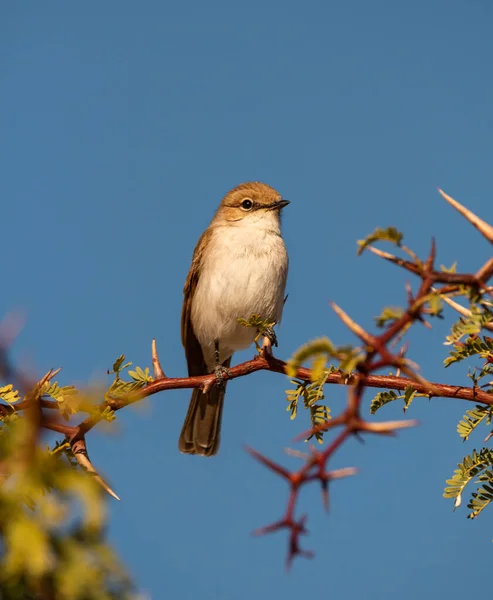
{"x":239,"y":268}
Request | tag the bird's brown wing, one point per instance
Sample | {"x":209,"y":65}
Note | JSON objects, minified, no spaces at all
{"x":202,"y":427}
{"x":193,"y":350}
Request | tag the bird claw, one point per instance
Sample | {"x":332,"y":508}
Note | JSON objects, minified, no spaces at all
{"x":222,"y":374}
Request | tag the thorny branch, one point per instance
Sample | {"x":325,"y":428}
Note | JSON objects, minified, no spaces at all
{"x":377,"y":356}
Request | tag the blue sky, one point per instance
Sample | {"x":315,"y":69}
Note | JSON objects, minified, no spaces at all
{"x":122,"y":128}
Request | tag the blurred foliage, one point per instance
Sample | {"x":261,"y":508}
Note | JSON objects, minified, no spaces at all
{"x":53,"y":514}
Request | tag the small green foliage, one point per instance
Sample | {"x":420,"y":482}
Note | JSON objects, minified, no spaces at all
{"x":120,"y":387}
{"x":471,"y":466}
{"x":108,"y":414}
{"x":311,"y":393}
{"x":409,"y":395}
{"x":319,"y":351}
{"x":316,"y":349}
{"x":8,"y":394}
{"x":319,"y":413}
{"x":349,"y":359}
{"x":257,"y":321}
{"x":119,"y":366}
{"x":390,"y":234}
{"x":141,"y":376}
{"x":473,"y":345}
{"x":388,"y":315}
{"x":473,"y":418}
{"x":262,"y":326}
{"x":63,"y":449}
{"x":383,"y":398}
{"x":435,"y":304}
{"x":470,"y":325}
{"x":293,"y":396}
{"x":483,"y":496}
{"x":452,"y":269}
{"x":66,"y":397}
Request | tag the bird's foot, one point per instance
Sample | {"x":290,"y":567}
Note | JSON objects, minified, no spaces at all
{"x":222,"y":374}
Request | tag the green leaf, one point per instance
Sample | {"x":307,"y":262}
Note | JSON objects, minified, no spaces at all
{"x":471,"y":466}
{"x":472,"y":419}
{"x":319,"y":414}
{"x":141,"y":376}
{"x":308,"y":351}
{"x":472,"y":346}
{"x":388,"y":315}
{"x":435,"y":303}
{"x":483,"y":496}
{"x":409,"y":395}
{"x":470,"y":325}
{"x":390,"y":234}
{"x":108,"y":414}
{"x":118,"y":366}
{"x":8,"y":394}
{"x":66,"y":397}
{"x":311,"y":393}
{"x":383,"y":398}
{"x":452,"y":269}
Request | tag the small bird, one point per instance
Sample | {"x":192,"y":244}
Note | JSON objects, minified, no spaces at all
{"x":239,"y":268}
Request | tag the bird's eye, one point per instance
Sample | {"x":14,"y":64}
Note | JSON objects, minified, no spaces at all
{"x":246,"y":204}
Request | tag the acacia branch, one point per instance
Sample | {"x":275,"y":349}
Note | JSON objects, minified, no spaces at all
{"x":377,"y":355}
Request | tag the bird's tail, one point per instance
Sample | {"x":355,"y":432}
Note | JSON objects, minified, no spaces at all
{"x":201,"y":432}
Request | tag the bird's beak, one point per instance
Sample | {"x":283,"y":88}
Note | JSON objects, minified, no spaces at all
{"x":279,"y":204}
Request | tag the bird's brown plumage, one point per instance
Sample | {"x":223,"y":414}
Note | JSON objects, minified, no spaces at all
{"x":201,"y":429}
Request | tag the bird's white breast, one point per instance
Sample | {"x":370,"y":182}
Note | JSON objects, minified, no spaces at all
{"x":243,"y":272}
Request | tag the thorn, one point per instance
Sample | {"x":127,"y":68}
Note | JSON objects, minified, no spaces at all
{"x":486,"y":271}
{"x":208,"y":384}
{"x":402,"y":353}
{"x":353,"y":326}
{"x":409,"y":292}
{"x":325,"y":426}
{"x":388,"y":427}
{"x":418,"y":378}
{"x":44,"y":379}
{"x":359,"y":437}
{"x":297,"y":453}
{"x":325,"y":494}
{"x":269,"y":463}
{"x":271,"y":528}
{"x":55,"y":372}
{"x":406,"y":264}
{"x":49,"y":376}
{"x":341,"y":473}
{"x":462,"y":310}
{"x":431,"y":258}
{"x":485,"y":228}
{"x":158,"y":371}
{"x":80,"y":452}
